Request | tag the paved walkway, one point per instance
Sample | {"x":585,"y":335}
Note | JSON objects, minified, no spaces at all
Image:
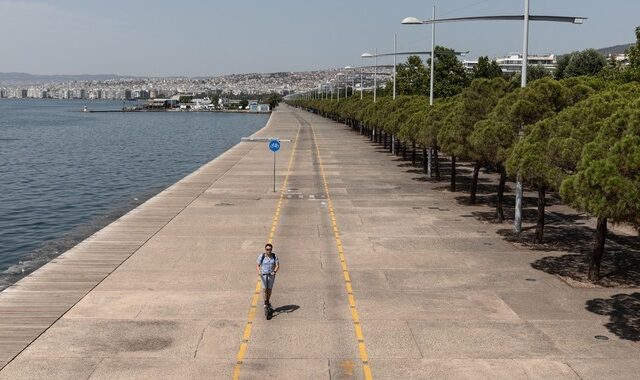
{"x":169,"y":290}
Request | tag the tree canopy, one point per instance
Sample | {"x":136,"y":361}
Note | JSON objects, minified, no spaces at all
{"x":578,"y":63}
{"x":487,"y":69}
{"x":412,"y":77}
{"x":450,"y":75}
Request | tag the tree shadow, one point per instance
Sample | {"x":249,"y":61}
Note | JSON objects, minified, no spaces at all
{"x":620,"y":265}
{"x":624,"y":314}
{"x":284,"y":309}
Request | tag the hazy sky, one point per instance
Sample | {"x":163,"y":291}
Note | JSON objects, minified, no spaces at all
{"x":204,"y":38}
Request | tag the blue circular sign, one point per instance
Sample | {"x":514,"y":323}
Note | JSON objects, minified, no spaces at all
{"x":274,"y":145}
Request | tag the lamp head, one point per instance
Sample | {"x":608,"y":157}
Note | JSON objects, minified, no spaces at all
{"x":366,"y":55}
{"x":411,"y":21}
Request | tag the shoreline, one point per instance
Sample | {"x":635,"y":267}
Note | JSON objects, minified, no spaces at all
{"x":177,"y":110}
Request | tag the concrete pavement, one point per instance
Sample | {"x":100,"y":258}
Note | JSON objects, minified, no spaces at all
{"x":433,"y":294}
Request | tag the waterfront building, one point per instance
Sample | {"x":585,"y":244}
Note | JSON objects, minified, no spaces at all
{"x":95,"y":94}
{"x":140,"y":94}
{"x":259,"y":107}
{"x":160,"y":103}
{"x":513,"y":62}
{"x":620,"y":59}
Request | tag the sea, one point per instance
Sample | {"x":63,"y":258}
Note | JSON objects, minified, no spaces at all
{"x":65,"y":174}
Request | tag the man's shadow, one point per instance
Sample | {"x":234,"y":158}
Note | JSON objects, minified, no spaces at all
{"x":284,"y":309}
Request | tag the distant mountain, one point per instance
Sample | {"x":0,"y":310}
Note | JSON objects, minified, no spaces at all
{"x":617,"y":49}
{"x":24,"y":78}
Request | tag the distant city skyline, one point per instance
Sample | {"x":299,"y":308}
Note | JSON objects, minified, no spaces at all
{"x":205,"y":38}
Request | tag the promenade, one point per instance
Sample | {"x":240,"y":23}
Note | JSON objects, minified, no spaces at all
{"x":382,"y":276}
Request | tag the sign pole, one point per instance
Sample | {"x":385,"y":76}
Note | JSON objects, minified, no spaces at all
{"x":274,"y":146}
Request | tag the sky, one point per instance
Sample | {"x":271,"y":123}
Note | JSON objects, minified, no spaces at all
{"x":209,"y":38}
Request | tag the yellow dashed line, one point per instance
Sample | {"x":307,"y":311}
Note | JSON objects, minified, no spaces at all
{"x":256,"y":296}
{"x":362,"y":348}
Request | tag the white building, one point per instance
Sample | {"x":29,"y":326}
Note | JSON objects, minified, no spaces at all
{"x":513,"y":62}
{"x":259,"y":107}
{"x":621,"y":58}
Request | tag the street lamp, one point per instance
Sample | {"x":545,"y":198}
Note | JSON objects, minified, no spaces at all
{"x":414,"y":21}
{"x":346,"y":84}
{"x":526,"y":17}
{"x":395,"y":51}
{"x":375,"y":70}
{"x":410,"y":21}
{"x":362,"y":57}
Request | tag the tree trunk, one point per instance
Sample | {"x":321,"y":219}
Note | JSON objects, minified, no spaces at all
{"x":425,"y":163}
{"x":598,"y":250}
{"x":541,"y":205}
{"x":404,"y":151}
{"x":501,"y":185}
{"x":436,"y":163}
{"x":474,"y":182}
{"x":453,"y":173}
{"x":384,"y":141}
{"x":413,"y":153}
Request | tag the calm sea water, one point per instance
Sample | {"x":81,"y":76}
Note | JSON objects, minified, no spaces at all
{"x":65,"y":174}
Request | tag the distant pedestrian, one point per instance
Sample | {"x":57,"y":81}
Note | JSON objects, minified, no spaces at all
{"x":268,"y":266}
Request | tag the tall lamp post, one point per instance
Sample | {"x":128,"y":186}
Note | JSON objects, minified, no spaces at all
{"x":413,"y":20}
{"x":369,"y":55}
{"x":526,"y":17}
{"x":346,"y":81}
{"x":395,"y":51}
{"x":362,"y":57}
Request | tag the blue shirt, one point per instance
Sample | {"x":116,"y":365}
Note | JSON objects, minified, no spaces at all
{"x":268,"y":263}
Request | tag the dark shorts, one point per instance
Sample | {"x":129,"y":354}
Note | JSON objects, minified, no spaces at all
{"x":268,"y":280}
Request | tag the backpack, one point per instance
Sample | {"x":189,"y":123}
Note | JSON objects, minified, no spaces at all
{"x":262,"y":258}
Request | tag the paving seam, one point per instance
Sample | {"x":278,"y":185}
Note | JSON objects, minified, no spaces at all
{"x":355,"y":317}
{"x":125,"y":260}
{"x":246,"y":336}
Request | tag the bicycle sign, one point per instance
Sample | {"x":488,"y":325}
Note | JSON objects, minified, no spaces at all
{"x":274,"y":145}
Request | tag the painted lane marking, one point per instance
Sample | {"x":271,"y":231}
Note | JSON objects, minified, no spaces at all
{"x":362,"y":348}
{"x":244,"y":345}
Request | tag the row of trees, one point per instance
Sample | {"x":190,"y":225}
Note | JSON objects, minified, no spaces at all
{"x":578,"y":136}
